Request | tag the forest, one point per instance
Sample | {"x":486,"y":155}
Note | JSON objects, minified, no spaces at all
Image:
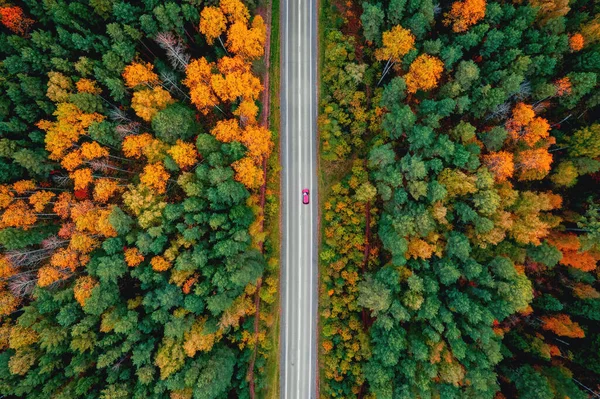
{"x":134,"y":260}
{"x":460,"y":157}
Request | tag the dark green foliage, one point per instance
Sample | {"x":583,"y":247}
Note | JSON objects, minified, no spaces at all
{"x":177,"y":121}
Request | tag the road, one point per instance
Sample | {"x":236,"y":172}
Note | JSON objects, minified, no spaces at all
{"x":299,"y":166}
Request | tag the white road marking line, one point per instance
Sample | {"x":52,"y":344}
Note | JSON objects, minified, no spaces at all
{"x":298,"y":363}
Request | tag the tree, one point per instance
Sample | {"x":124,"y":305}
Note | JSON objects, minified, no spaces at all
{"x":15,"y":20}
{"x":585,"y":142}
{"x":533,"y":164}
{"x":565,"y":174}
{"x":160,"y":264}
{"x":155,"y":177}
{"x":198,"y":80}
{"x":464,"y":14}
{"x":83,"y":289}
{"x":576,"y":42}
{"x":184,"y":154}
{"x":140,"y":74}
{"x":175,"y":122}
{"x":227,"y":131}
{"x":525,"y":126}
{"x":500,"y":164}
{"x":248,"y":173}
{"x":148,"y":102}
{"x":591,"y":30}
{"x":235,"y":11}
{"x":257,"y":140}
{"x":247,"y":43}
{"x":212,"y":24}
{"x":549,"y":10}
{"x":372,"y":19}
{"x":562,"y":325}
{"x":423,"y":73}
{"x":397,"y":42}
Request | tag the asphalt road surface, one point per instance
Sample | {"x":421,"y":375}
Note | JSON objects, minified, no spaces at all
{"x":299,"y":162}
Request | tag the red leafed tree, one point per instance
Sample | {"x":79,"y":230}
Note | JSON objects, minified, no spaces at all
{"x":15,"y":20}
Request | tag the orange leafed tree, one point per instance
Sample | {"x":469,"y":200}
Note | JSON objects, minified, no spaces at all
{"x":48,"y":275}
{"x":198,"y":80}
{"x":93,"y":150}
{"x":104,"y":188}
{"x":146,"y":103}
{"x":245,"y":42}
{"x":396,"y":43}
{"x":257,"y":140}
{"x":423,"y":73}
{"x":235,"y":11}
{"x":155,"y":176}
{"x":23,"y":186}
{"x":576,"y":42}
{"x":247,"y":111}
{"x":40,"y":199}
{"x":160,"y":264}
{"x":500,"y":164}
{"x":235,"y":83}
{"x":572,"y":256}
{"x":227,"y":131}
{"x":15,"y":20}
{"x":184,"y":154}
{"x":133,"y":257}
{"x":83,"y":289}
{"x":248,"y":173}
{"x":212,"y":23}
{"x":562,"y":325}
{"x":133,"y":145}
{"x":87,"y":86}
{"x":81,"y":178}
{"x":419,"y":249}
{"x":71,"y":123}
{"x":137,"y":74}
{"x":18,"y":214}
{"x":533,"y":164}
{"x":465,"y":14}
{"x":525,"y":126}
{"x":563,"y":86}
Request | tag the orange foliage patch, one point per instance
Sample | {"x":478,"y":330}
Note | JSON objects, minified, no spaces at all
{"x":562,"y":325}
{"x":137,"y":74}
{"x":576,"y":42}
{"x":500,"y":164}
{"x":533,"y":164}
{"x":525,"y":126}
{"x":423,"y":73}
{"x":83,"y":289}
{"x":155,"y":176}
{"x":133,"y":257}
{"x":160,"y":264}
{"x":397,"y":42}
{"x":465,"y":14}
{"x":569,"y":246}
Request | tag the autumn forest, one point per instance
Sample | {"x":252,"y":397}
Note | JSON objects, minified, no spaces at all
{"x":459,"y":158}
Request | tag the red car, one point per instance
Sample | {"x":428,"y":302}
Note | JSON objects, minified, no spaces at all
{"x":305,"y":196}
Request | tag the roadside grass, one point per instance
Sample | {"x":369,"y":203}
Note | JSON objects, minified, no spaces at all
{"x":270,"y":389}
